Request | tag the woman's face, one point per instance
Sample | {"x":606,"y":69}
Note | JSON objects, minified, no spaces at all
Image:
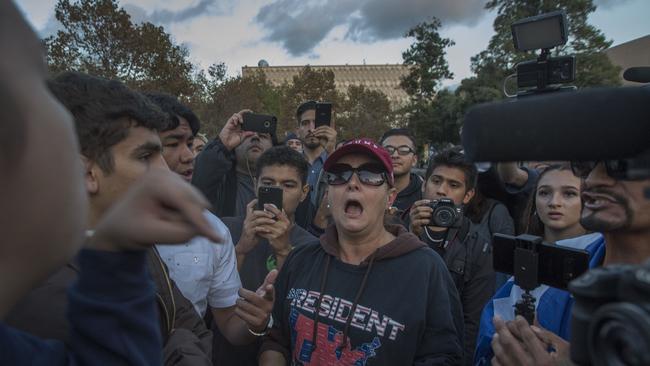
{"x":358,"y":208}
{"x":558,"y":200}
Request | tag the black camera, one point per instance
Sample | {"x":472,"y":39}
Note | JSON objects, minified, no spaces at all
{"x":445,"y":213}
{"x":611,"y":316}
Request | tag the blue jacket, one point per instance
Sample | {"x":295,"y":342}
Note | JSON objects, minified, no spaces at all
{"x":553,"y":305}
{"x":112,"y":317}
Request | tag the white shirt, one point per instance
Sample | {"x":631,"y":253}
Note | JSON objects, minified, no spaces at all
{"x":204,"y":271}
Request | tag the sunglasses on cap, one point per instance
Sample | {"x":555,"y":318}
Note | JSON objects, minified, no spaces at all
{"x":371,"y":174}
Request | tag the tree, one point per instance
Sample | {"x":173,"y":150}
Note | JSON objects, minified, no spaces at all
{"x":364,"y":113}
{"x":426,"y":59}
{"x":252,"y":92}
{"x":309,"y":84}
{"x":99,"y":38}
{"x":586,"y":42}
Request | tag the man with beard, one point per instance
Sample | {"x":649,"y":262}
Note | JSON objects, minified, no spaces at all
{"x":225,"y":170}
{"x":621,"y":211}
{"x":318,"y":143}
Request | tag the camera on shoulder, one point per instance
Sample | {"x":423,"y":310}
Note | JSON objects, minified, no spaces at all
{"x":445,"y":213}
{"x":611,"y":316}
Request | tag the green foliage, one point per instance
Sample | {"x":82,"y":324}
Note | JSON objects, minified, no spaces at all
{"x":233,"y":95}
{"x":309,"y":84}
{"x":99,"y":38}
{"x":364,"y":113}
{"x":426,"y":59}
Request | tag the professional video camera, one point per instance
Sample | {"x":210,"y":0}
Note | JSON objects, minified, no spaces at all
{"x":611,"y":317}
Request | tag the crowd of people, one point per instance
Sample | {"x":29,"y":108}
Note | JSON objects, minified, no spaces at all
{"x":132,"y":238}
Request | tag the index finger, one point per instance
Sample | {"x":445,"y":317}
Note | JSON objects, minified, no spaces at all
{"x":532,"y":342}
{"x":190,"y":204}
{"x":421,"y":203}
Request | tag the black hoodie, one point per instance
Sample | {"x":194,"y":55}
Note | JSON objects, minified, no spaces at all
{"x":404,"y":303}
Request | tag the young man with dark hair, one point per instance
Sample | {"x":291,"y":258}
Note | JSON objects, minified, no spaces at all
{"x":265,"y":237}
{"x":205,"y":272}
{"x":225,"y":169}
{"x":118,"y":133}
{"x":111,"y":308}
{"x":467,"y":253}
{"x":293,"y":142}
{"x":400,"y":144}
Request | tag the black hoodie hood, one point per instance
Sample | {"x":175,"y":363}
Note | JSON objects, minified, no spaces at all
{"x":404,"y":242}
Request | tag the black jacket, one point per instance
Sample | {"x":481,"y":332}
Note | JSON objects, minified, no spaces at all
{"x":215,"y":176}
{"x":468,"y":255}
{"x":407,"y":196}
{"x":398,"y":307}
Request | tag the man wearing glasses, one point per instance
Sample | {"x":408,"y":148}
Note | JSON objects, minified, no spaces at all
{"x":400,"y":144}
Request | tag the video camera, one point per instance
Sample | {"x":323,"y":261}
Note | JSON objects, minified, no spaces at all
{"x":611,"y":320}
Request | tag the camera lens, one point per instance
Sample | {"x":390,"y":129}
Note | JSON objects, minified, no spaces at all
{"x":445,"y":216}
{"x":267,"y":124}
{"x":619,"y":335}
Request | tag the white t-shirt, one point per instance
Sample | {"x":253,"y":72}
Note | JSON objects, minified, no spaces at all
{"x":204,"y":271}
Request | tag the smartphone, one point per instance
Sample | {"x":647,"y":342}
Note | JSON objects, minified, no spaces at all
{"x":323,"y":114}
{"x":262,"y":123}
{"x":269,"y":195}
{"x":557,"y":265}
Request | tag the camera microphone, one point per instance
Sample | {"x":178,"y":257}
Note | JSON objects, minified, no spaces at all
{"x":589,"y":124}
{"x":639,"y":74}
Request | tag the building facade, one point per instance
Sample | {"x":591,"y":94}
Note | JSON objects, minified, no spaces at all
{"x":383,"y":78}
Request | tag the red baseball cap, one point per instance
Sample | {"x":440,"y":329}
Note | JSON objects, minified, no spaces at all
{"x":363,"y":146}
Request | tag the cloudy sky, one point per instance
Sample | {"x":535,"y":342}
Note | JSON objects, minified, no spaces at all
{"x":325,"y":32}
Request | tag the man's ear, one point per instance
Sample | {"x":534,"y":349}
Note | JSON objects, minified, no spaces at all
{"x":305,"y":192}
{"x":469,"y":195}
{"x":91,"y":175}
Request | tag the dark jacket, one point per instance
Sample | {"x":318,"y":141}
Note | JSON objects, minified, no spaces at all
{"x":468,"y":255}
{"x":42,"y":313}
{"x":398,"y":307}
{"x":215,"y":176}
{"x":112,"y":318}
{"x":407,"y":196}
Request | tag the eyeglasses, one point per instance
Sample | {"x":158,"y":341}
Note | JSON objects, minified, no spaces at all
{"x":368,"y":174}
{"x":617,"y":169}
{"x":401,"y":150}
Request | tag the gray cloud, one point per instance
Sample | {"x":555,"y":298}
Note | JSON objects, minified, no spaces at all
{"x":165,"y":16}
{"x":608,"y":4}
{"x":387,"y":19}
{"x":300,"y":25}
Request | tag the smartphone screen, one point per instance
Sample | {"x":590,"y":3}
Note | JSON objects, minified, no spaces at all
{"x":323,"y":114}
